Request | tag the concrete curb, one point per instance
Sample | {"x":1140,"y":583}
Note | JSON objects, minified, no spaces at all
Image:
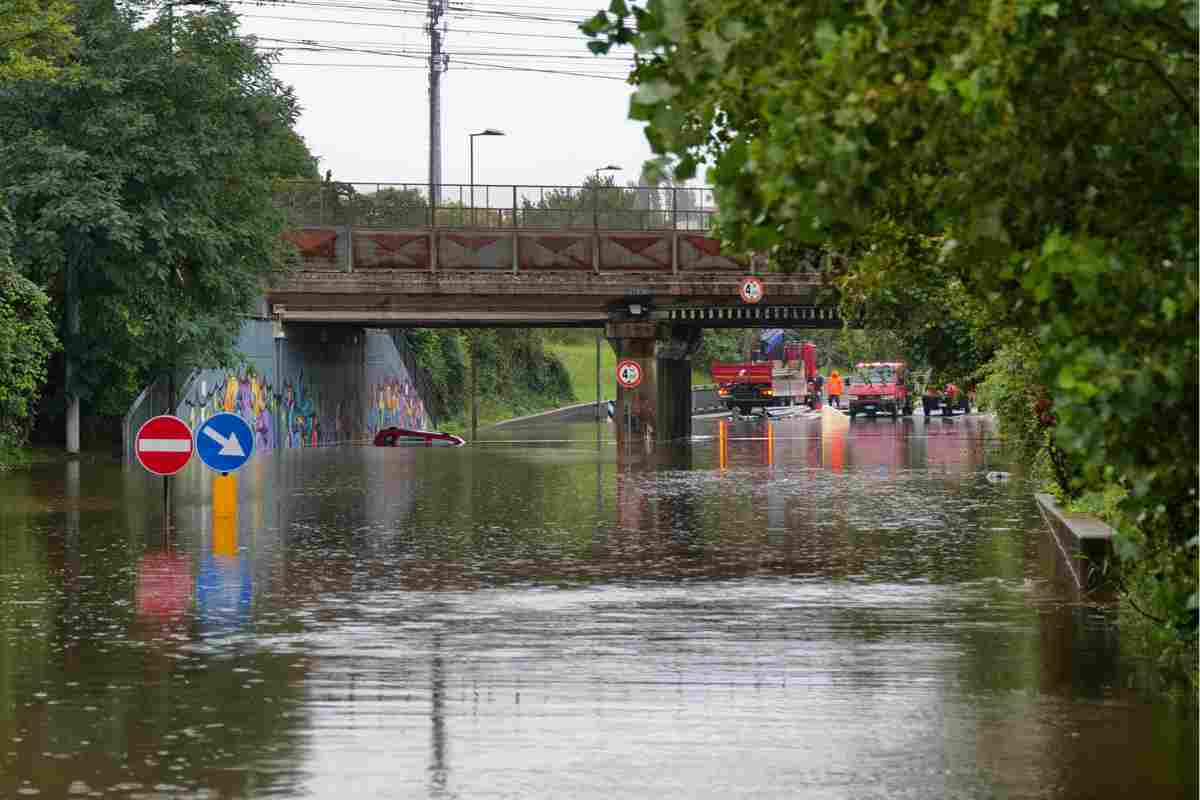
{"x":546,"y":414}
{"x":1084,"y":541}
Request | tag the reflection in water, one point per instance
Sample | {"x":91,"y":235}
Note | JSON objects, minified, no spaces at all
{"x":224,"y":582}
{"x":801,"y":607}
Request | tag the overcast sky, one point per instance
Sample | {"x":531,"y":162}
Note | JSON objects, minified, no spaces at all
{"x":370,"y":122}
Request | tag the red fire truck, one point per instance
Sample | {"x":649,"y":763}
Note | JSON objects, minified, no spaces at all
{"x":879,"y":387}
{"x":748,"y":385}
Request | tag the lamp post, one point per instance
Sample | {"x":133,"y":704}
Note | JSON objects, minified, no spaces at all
{"x":609,"y":168}
{"x":471,"y":137}
{"x":475,"y":336}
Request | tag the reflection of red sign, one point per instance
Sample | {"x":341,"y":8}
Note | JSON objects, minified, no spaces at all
{"x":751,"y":289}
{"x":164,"y":444}
{"x":629,"y":374}
{"x":164,"y":585}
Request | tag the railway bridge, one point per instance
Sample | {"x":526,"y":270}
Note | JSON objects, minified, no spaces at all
{"x":638,"y":261}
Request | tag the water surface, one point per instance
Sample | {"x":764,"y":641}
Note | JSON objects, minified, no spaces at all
{"x":797,"y":608}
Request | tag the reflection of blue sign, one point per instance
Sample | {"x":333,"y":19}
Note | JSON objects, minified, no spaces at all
{"x":224,"y":442}
{"x":224,"y":592}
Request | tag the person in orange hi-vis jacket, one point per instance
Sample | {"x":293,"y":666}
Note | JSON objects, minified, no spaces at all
{"x":835,"y":389}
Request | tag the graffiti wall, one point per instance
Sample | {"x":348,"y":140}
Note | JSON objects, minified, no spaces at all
{"x":394,"y":397}
{"x":339,"y":385}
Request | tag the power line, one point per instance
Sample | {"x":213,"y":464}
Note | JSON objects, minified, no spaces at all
{"x":522,"y":34}
{"x":389,"y":50}
{"x":397,"y":7}
{"x":468,"y":67}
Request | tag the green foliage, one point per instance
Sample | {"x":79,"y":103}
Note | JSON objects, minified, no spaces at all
{"x":441,"y":354}
{"x":900,"y":283}
{"x":1041,"y":159}
{"x":36,"y":37}
{"x":27,"y":341}
{"x":516,"y":376}
{"x":147,"y":171}
{"x":1009,"y":388}
{"x":718,"y":345}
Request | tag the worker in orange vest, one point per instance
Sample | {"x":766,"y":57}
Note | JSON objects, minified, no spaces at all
{"x":835,"y":389}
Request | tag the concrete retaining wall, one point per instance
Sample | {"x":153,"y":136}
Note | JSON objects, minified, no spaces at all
{"x":310,"y":386}
{"x":1082,"y":547}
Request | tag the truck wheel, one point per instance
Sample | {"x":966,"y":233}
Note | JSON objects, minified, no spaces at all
{"x":908,"y":410}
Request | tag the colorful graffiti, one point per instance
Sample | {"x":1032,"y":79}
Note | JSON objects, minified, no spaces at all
{"x":396,"y":401}
{"x":284,"y":418}
{"x":291,"y":417}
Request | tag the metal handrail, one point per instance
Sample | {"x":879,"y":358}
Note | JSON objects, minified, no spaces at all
{"x":498,"y":206}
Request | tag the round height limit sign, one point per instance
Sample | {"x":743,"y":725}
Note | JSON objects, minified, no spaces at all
{"x":751,"y":289}
{"x":629,"y":374}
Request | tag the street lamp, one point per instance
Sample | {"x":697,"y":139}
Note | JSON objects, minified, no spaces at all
{"x":471,"y":136}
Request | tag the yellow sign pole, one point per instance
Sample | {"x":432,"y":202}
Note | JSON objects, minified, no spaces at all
{"x":224,"y":498}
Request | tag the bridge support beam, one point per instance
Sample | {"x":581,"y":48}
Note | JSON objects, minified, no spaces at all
{"x":660,"y":409}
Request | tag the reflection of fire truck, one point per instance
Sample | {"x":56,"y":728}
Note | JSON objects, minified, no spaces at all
{"x":764,"y":384}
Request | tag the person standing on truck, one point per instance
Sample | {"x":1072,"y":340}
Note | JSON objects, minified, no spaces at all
{"x":835,"y":389}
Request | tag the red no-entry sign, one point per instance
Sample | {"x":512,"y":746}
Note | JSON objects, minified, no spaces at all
{"x":164,"y":444}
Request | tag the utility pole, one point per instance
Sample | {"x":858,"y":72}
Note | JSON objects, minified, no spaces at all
{"x":437,"y":65}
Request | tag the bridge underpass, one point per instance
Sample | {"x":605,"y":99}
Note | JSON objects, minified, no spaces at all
{"x":638,"y":261}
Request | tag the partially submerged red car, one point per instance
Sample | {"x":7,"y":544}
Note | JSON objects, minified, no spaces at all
{"x":879,"y":387}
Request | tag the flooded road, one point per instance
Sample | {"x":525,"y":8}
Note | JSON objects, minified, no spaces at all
{"x":797,"y":608}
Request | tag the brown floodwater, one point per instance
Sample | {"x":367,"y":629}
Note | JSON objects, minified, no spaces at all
{"x":793,"y":608}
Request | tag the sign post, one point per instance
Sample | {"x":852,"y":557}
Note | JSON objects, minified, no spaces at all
{"x":164,"y":446}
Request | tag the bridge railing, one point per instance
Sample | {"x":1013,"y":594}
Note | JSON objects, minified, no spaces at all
{"x":409,"y":205}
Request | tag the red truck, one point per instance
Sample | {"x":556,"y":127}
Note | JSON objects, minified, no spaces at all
{"x":879,"y":387}
{"x":748,"y":385}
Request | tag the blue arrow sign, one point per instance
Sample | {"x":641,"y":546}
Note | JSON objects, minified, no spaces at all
{"x":224,"y":442}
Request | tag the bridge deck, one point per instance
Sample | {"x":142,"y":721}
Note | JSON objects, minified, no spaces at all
{"x":367,"y":254}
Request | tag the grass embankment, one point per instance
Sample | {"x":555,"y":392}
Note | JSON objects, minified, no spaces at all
{"x":13,"y":457}
{"x":580,"y":361}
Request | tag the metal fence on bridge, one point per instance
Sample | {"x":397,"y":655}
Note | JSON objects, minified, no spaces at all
{"x":456,"y":205}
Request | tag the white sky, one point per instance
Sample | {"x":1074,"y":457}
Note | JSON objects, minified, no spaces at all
{"x":371,"y":123}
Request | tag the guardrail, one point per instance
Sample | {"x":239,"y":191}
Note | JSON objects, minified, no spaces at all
{"x":456,"y":205}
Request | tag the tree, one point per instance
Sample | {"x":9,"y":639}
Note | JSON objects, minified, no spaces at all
{"x":146,"y":177}
{"x":36,"y":36}
{"x":1050,"y":148}
{"x":26,"y":342}
{"x":598,"y":202}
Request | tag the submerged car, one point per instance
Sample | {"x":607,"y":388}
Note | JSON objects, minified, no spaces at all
{"x":402,"y":437}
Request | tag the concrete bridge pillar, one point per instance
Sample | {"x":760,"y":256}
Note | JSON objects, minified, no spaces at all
{"x":660,"y":409}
